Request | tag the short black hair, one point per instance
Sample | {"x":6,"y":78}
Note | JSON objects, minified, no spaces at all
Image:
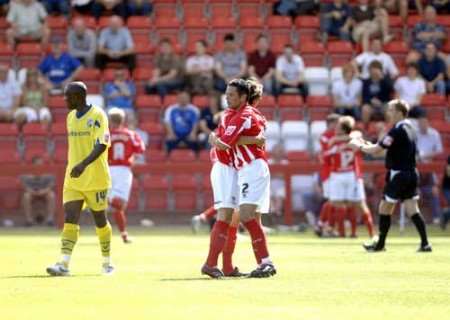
{"x":203,"y":42}
{"x":376,"y":65}
{"x":229,"y":37}
{"x":413,"y":65}
{"x":165,"y":40}
{"x":241,"y":86}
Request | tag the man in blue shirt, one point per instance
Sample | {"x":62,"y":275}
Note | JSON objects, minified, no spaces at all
{"x":335,"y":20}
{"x":181,"y":122}
{"x":432,"y":68}
{"x":59,"y":67}
{"x":120,"y":92}
{"x":115,"y":45}
{"x":428,"y":31}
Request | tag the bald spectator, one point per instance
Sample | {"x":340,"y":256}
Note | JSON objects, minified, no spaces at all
{"x":82,"y":42}
{"x":9,"y":95}
{"x":231,"y":63}
{"x":200,"y":70}
{"x":428,"y":31}
{"x":117,"y":7}
{"x":115,"y":44}
{"x":27,"y":19}
{"x":433,"y":69}
{"x":167,"y":73}
{"x":289,"y":72}
{"x":363,"y":60}
{"x":261,"y":63}
{"x":59,"y":67}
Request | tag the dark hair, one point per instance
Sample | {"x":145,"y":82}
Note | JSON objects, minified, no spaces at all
{"x":255,"y":90}
{"x":376,"y":65}
{"x":229,"y":37}
{"x":288,"y":45}
{"x":413,"y":65}
{"x":400,"y":105}
{"x":165,"y":40}
{"x":241,"y":86}
{"x":203,"y":42}
{"x":262,"y":36}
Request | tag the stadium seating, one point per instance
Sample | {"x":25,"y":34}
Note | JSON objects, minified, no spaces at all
{"x":295,"y":135}
{"x":318,"y":80}
{"x":272,"y":134}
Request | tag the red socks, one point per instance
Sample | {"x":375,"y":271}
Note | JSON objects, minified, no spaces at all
{"x":259,"y":242}
{"x":209,"y":213}
{"x":367,"y":218}
{"x":324,"y":213}
{"x":351,"y":215}
{"x":228,"y":249}
{"x":340,"y":217}
{"x":121,"y":220}
{"x":217,"y":242}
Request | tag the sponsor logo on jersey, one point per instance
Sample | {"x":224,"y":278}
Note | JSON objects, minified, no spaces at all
{"x":387,"y":141}
{"x":229,"y":131}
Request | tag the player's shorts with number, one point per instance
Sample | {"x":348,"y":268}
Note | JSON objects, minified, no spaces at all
{"x":94,"y":200}
{"x":121,"y":181}
{"x":346,"y":186}
{"x":254,"y":185}
{"x":224,"y":185}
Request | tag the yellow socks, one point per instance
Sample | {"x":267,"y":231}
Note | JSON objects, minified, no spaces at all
{"x":69,"y":237}
{"x":104,"y":236}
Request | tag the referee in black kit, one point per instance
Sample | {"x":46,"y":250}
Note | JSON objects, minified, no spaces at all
{"x":401,"y":177}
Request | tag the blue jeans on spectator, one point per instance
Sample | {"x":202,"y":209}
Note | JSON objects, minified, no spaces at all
{"x":173,"y":144}
{"x":434,"y":201}
{"x":164,"y":87}
{"x":440,"y":87}
{"x":56,"y":6}
{"x":144,"y":10}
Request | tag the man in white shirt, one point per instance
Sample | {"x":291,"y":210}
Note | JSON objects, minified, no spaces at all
{"x":200,"y":70}
{"x":9,"y":95}
{"x":347,"y":93}
{"x":289,"y":72}
{"x":429,"y":142}
{"x":411,"y":87}
{"x":364,"y":59}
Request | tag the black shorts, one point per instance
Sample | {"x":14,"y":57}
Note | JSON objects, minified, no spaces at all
{"x":402,"y":186}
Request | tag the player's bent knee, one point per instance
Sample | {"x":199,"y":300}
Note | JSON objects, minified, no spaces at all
{"x":225,"y":214}
{"x":411,"y":207}
{"x":118,"y":203}
{"x":100,"y":218}
{"x":247,"y":212}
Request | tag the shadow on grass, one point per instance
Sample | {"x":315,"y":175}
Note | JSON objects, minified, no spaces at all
{"x":38,"y":276}
{"x":202,"y":279}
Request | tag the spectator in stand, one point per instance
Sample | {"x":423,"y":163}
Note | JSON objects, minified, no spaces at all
{"x":9,"y":95}
{"x":82,"y":42}
{"x":400,"y":7}
{"x":117,"y":7}
{"x":347,"y":93}
{"x":4,"y":7}
{"x":441,"y":6}
{"x":133,"y":124}
{"x":33,"y":104}
{"x":200,"y":70}
{"x":38,"y":187}
{"x":429,"y":142}
{"x":27,"y":19}
{"x":277,"y":182}
{"x":411,"y":88}
{"x":83,"y":7}
{"x":446,"y":191}
{"x":139,"y":7}
{"x":115,"y":44}
{"x":295,"y":8}
{"x":429,"y":146}
{"x":167,"y":73}
{"x":336,"y":20}
{"x":289,"y":72}
{"x":56,"y":7}
{"x":209,"y":119}
{"x":230,"y":63}
{"x":120,"y":92}
{"x":261,"y":63}
{"x":181,"y":122}
{"x":367,"y":21}
{"x":428,"y":31}
{"x":376,"y":92}
{"x":363,"y":60}
{"x":433,"y":69}
{"x":59,"y":67}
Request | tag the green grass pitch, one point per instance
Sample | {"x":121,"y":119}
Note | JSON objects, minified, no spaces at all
{"x":158,"y":278}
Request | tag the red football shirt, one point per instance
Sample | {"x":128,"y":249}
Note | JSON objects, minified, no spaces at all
{"x":223,"y":156}
{"x":325,"y":161}
{"x":124,"y":145}
{"x":344,"y":158}
{"x":247,"y":121}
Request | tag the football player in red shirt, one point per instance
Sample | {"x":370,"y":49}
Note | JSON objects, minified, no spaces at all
{"x":124,"y":145}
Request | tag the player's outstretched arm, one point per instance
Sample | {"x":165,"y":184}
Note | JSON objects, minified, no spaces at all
{"x":259,"y":140}
{"x":365,"y":146}
{"x":96,"y":152}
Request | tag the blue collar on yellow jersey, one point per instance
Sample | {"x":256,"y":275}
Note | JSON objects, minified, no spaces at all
{"x":80,"y":114}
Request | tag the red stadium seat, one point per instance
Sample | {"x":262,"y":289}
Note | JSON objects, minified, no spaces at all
{"x":251,"y":22}
{"x":396,"y":47}
{"x":36,"y":151}
{"x":290,"y":101}
{"x":193,"y":11}
{"x":56,"y":102}
{"x":149,"y":108}
{"x":58,"y":25}
{"x":434,"y":100}
{"x":226,"y":22}
{"x":35,"y":130}
{"x":6,"y":54}
{"x":278,"y":40}
{"x":319,"y":102}
{"x":221,"y":10}
{"x":139,"y":25}
{"x":144,"y":50}
{"x":340,"y":52}
{"x":268,"y":107}
{"x":396,"y":26}
{"x":307,"y":26}
{"x":196,"y":23}
{"x":413,"y":20}
{"x":9,"y":156}
{"x":141,"y":77}
{"x":313,"y":53}
{"x":194,"y":35}
{"x":8,"y":130}
{"x":295,"y":156}
{"x":185,"y":189}
{"x":89,"y":21}
{"x":204,"y":156}
{"x":249,"y":9}
{"x":10,"y":193}
{"x":156,"y":190}
{"x":201,"y":101}
{"x":279,"y":22}
{"x":180,"y":155}
{"x":155,"y":156}
{"x":29,"y":54}
{"x":169,"y":22}
{"x":170,"y":99}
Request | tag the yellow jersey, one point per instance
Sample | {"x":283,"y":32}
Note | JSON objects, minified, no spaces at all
{"x":84,"y":133}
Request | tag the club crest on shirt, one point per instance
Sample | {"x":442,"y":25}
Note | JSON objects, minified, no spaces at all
{"x":387,"y":141}
{"x":90,"y":123}
{"x":229,"y":131}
